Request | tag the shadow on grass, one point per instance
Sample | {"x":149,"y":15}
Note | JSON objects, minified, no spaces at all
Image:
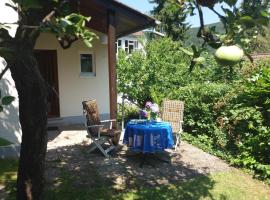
{"x":8,"y":175}
{"x":192,"y":190}
{"x":73,"y":173}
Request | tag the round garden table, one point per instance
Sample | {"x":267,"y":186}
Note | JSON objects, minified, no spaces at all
{"x":148,"y":136}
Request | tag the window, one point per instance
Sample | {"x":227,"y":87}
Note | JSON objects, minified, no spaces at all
{"x":87,"y":64}
{"x":131,"y":45}
{"x":118,"y":45}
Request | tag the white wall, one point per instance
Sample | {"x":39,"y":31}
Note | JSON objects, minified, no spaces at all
{"x":10,"y":128}
{"x":73,"y":88}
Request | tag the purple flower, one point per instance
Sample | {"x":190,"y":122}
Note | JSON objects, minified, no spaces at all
{"x":148,"y":104}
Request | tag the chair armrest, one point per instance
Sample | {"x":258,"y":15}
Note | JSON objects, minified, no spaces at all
{"x":93,"y":126}
{"x":109,"y":120}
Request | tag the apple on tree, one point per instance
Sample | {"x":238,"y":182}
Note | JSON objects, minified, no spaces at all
{"x":229,"y":55}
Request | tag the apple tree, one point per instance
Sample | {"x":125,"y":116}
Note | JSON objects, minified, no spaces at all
{"x":61,"y":18}
{"x":243,"y":21}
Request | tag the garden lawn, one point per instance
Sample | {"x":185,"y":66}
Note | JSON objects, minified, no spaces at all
{"x":4,"y":142}
{"x":230,"y":185}
{"x":234,"y":185}
{"x":8,"y":176}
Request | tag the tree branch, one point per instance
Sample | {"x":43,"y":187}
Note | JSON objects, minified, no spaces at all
{"x":66,"y":41}
{"x":219,"y":15}
{"x":4,"y":71}
{"x":201,"y":29}
{"x":48,"y":17}
{"x":3,"y":23}
{"x":30,"y":27}
{"x":223,"y":18}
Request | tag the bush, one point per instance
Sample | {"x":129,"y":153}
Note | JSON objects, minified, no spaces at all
{"x":200,"y":115}
{"x":130,"y":112}
{"x":231,"y":120}
{"x":161,"y":69}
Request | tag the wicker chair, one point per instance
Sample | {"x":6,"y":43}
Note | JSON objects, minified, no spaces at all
{"x":96,"y":129}
{"x":173,"y":112}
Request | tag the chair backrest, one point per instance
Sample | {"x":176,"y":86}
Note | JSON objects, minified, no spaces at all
{"x":90,"y":110}
{"x":173,"y":112}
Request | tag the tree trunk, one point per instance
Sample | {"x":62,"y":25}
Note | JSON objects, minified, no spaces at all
{"x":33,"y":118}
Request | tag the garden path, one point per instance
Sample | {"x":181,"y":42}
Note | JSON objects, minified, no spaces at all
{"x":67,"y":152}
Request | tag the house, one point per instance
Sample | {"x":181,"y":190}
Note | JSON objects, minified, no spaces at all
{"x":78,"y":73}
{"x":130,"y":42}
{"x":136,"y":41}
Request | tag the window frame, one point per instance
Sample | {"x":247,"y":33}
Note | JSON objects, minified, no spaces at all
{"x":87,"y":74}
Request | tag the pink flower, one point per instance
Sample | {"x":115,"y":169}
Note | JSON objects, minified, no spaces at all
{"x":148,"y":104}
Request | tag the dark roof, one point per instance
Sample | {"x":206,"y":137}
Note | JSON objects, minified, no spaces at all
{"x":127,"y":19}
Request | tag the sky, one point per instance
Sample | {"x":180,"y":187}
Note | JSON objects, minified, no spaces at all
{"x":145,"y":7}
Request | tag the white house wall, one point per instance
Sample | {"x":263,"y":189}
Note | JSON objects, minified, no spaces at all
{"x":10,"y":128}
{"x":73,"y":88}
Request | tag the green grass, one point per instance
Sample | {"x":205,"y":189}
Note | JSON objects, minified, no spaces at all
{"x":230,"y":185}
{"x":8,"y":175}
{"x":233,"y":185}
{"x":4,"y":142}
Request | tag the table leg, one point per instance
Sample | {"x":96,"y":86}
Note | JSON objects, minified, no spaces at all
{"x":143,"y":159}
{"x":147,"y":156}
{"x":160,"y":159}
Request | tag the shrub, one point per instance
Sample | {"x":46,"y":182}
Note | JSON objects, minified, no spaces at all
{"x":231,"y":120}
{"x":200,"y":115}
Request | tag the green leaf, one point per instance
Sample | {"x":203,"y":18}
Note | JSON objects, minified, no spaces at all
{"x":7,"y":100}
{"x":263,"y":21}
{"x":264,"y":13}
{"x":6,"y":53}
{"x":29,"y":4}
{"x":231,"y":2}
{"x":186,"y":51}
{"x":247,"y":20}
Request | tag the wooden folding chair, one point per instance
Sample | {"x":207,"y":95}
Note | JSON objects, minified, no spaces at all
{"x":173,"y":112}
{"x":96,"y":129}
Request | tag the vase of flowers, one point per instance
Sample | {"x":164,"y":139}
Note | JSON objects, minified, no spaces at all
{"x":150,"y":112}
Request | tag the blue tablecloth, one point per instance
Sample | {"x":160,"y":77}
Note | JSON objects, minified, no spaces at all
{"x":148,"y":137}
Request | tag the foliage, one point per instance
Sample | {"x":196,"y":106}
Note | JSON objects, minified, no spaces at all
{"x":200,"y":115}
{"x":146,"y":76}
{"x":162,"y":68}
{"x":4,"y":142}
{"x":261,"y":43}
{"x":172,"y":17}
{"x":4,"y":101}
{"x":8,"y":176}
{"x":242,"y":24}
{"x":231,"y":120}
{"x":131,"y":112}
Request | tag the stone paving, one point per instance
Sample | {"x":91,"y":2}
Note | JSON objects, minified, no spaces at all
{"x":69,"y":150}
